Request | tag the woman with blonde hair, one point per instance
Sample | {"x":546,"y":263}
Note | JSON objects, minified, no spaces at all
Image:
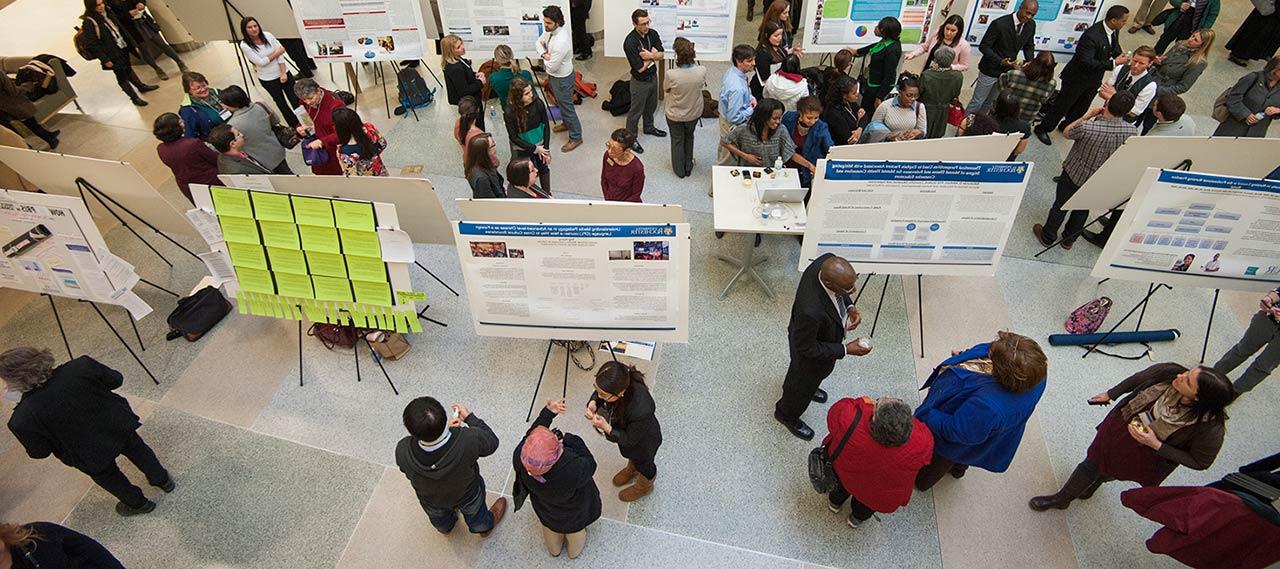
{"x":460,"y":80}
{"x":506,"y":69}
{"x":48,"y":545}
{"x":1179,"y":68}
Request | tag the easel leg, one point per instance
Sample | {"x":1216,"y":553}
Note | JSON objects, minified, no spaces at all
{"x":876,"y":320}
{"x":610,"y":346}
{"x":862,"y":288}
{"x":536,"y":388}
{"x":159,"y":288}
{"x":564,"y":392}
{"x":920,"y":307}
{"x":1073,"y":235}
{"x":1143,"y":313}
{"x":433,"y":275}
{"x":58,"y":319}
{"x":103,"y":198}
{"x":386,"y":101}
{"x":355,"y":352}
{"x":1141,"y":304}
{"x":378,"y":361}
{"x":299,"y":349}
{"x":423,"y":315}
{"x":122,"y":342}
{"x":1212,"y":308}
{"x":136,"y":334}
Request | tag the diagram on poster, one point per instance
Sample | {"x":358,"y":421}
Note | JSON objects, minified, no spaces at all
{"x":1059,"y":23}
{"x":1196,"y":229}
{"x":577,"y":281}
{"x":832,"y":25}
{"x":51,"y":246}
{"x":486,"y":24}
{"x":706,"y":23}
{"x":361,"y":30}
{"x":927,"y":218}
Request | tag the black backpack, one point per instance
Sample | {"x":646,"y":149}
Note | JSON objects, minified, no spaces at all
{"x":619,"y":98}
{"x":414,"y":93}
{"x":197,"y":314}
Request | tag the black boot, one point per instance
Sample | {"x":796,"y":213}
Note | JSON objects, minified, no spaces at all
{"x":1082,"y":478}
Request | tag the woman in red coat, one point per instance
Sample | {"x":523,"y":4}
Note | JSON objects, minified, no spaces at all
{"x":878,"y":465}
{"x":320,"y":104}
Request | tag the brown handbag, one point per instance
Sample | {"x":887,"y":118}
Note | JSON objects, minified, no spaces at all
{"x":1220,"y":111}
{"x":710,"y":106}
{"x":389,"y":345}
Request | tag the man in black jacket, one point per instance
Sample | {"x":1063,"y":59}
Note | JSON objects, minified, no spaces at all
{"x":71,"y":412}
{"x":579,"y":12}
{"x":1097,"y":53}
{"x":1005,"y":37}
{"x":439,"y":457}
{"x":820,"y":316}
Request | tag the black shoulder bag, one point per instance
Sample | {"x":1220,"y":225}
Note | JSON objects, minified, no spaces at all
{"x":822,"y":472}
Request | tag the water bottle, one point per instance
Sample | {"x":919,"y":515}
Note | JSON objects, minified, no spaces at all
{"x":1260,"y":116}
{"x":777,"y":163}
{"x":493,"y":112}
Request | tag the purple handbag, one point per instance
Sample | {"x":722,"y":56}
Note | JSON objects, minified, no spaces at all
{"x":314,"y":156}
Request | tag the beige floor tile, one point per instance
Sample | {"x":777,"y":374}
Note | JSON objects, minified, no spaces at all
{"x":207,"y":389}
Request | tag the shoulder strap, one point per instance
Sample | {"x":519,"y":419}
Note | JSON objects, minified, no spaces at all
{"x":853,"y":425}
{"x":270,"y":114}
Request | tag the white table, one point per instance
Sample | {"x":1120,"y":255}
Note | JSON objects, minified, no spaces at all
{"x":735,"y":212}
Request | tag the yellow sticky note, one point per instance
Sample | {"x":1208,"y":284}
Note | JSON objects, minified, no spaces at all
{"x":287,"y":260}
{"x":312,"y":211}
{"x":230,"y":201}
{"x":255,"y":280}
{"x":372,"y":292}
{"x":415,"y":324}
{"x":331,"y":288}
{"x":246,"y":255}
{"x":322,"y":239}
{"x":294,"y":285}
{"x":353,"y":215}
{"x":326,"y":264}
{"x":362,"y":243}
{"x":239,"y":230}
{"x":370,"y":269}
{"x":271,"y":207}
{"x":241,"y":302}
{"x":407,"y":296}
{"x":280,"y":234}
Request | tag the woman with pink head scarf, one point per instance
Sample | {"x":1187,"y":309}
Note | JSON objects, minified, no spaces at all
{"x":554,"y":470}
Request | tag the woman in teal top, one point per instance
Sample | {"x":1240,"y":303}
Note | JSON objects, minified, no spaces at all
{"x":506,"y":69}
{"x":527,"y":128}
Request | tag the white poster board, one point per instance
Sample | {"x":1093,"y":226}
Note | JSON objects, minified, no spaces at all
{"x":987,"y":148}
{"x":57,"y":174}
{"x":1201,"y":230}
{"x":419,"y":212}
{"x":1059,"y":23}
{"x":486,"y":24}
{"x":51,"y":246}
{"x":361,"y":30}
{"x":914,"y":218}
{"x":207,"y":20}
{"x":706,"y":23}
{"x":832,"y":25}
{"x":1120,"y":174}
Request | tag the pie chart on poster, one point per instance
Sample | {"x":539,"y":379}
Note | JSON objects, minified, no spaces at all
{"x":861,"y":31}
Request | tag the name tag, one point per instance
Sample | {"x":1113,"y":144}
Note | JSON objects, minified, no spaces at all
{"x":225,"y":114}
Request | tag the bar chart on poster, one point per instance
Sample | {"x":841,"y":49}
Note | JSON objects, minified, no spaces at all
{"x":1059,"y":23}
{"x":836,"y":24}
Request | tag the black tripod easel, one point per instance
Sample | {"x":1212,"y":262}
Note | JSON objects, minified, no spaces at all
{"x":876,"y":318}
{"x":423,"y":313}
{"x":564,"y":391}
{"x":1140,"y":308}
{"x":106,"y":201}
{"x":58,"y":318}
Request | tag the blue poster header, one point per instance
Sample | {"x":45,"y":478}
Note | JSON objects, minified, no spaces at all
{"x":996,"y":172}
{"x":565,"y":230}
{"x":1221,"y":182}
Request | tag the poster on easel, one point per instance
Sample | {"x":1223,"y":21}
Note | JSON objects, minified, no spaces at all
{"x":832,"y":25}
{"x":706,"y":23}
{"x":1059,"y":23}
{"x":361,"y":30}
{"x":486,"y":24}
{"x":914,"y":218}
{"x":1195,"y":229}
{"x":51,"y":246}
{"x":294,"y":256}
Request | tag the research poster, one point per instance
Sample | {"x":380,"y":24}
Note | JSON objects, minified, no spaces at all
{"x":486,"y":24}
{"x":1059,"y":23}
{"x":832,"y":25}
{"x":577,"y":281}
{"x":361,"y":30}
{"x":1201,"y":230}
{"x":706,"y":23}
{"x":926,"y":218}
{"x":51,"y":246}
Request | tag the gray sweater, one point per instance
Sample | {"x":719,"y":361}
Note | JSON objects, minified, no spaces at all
{"x":1177,"y":74}
{"x":746,"y":140}
{"x":259,"y":140}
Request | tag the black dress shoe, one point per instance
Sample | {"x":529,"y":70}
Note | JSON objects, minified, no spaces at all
{"x":1095,"y":238}
{"x":127,"y":510}
{"x":1042,"y":503}
{"x":1044,"y":137}
{"x":168,"y":486}
{"x":138,"y":102}
{"x":1237,"y":61}
{"x":637,"y":148}
{"x":819,"y":396}
{"x":797,"y":427}
{"x":656,"y":132}
{"x":145,"y":88}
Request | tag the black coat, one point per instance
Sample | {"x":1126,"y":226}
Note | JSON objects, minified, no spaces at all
{"x":635,"y":427}
{"x":569,"y":500}
{"x":816,"y":331}
{"x":460,"y":81}
{"x":842,"y":121}
{"x":58,"y":547}
{"x":1002,"y":42}
{"x":76,"y":417}
{"x":104,"y":45}
{"x":882,"y":69}
{"x":1098,"y":46}
{"x":121,"y":10}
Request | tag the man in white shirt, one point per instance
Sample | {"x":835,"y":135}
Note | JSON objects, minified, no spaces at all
{"x":1171,"y":118}
{"x":1135,"y":77}
{"x":556,"y":48}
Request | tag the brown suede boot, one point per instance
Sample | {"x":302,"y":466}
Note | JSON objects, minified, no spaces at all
{"x":626,"y":475}
{"x":640,"y":489}
{"x":498,"y":509}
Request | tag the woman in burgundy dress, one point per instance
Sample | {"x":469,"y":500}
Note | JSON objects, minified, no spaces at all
{"x":622,"y":173}
{"x":1172,"y":415}
{"x":320,"y":104}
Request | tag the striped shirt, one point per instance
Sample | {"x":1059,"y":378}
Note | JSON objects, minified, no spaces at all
{"x":1030,"y":94}
{"x":1096,"y":140}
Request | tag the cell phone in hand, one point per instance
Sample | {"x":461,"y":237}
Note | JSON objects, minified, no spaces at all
{"x":1092,"y":402}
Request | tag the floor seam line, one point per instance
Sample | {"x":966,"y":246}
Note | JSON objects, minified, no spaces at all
{"x":363,"y":512}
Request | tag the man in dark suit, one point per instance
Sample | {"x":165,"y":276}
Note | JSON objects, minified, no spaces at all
{"x":820,"y":316}
{"x":1097,"y":52}
{"x":1005,"y":37}
{"x":71,"y":412}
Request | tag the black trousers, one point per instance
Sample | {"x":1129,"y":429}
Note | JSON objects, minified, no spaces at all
{"x":839,"y":495}
{"x":126,"y":77}
{"x":1179,"y":28}
{"x":297,"y":51}
{"x":935,"y":470}
{"x":33,"y":125}
{"x":578,"y":25}
{"x":802,"y":381}
{"x":282,"y":168}
{"x":1075,"y":219}
{"x":148,"y":38}
{"x":114,"y":481}
{"x":1071,"y":103}
{"x":282,"y":94}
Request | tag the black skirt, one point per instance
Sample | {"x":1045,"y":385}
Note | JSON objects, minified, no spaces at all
{"x":1257,"y":38}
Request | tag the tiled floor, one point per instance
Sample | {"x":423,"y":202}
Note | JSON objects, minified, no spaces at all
{"x":276,"y":474}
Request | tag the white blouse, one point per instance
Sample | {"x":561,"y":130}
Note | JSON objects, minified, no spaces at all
{"x":268,"y":69}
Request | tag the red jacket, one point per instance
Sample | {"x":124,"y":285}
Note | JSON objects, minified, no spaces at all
{"x":192,"y":162}
{"x":880,"y":477}
{"x":322,"y":119}
{"x":1205,"y":527}
{"x":621,"y":183}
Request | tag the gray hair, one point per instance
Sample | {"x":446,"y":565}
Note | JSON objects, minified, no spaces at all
{"x":26,"y":368}
{"x":944,"y":56}
{"x":305,"y":88}
{"x":892,"y":423}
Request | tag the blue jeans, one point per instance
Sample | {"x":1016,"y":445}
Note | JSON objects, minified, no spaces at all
{"x":474,"y":511}
{"x":981,"y":93}
{"x":562,"y":88}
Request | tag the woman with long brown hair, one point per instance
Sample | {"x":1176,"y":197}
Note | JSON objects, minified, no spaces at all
{"x":769,"y":55}
{"x":622,"y":409}
{"x":1032,"y":85}
{"x":48,"y":545}
{"x":481,"y":168}
{"x":780,"y":12}
{"x":527,"y":127}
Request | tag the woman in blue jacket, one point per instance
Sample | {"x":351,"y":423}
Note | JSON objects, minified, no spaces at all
{"x":811,"y":135}
{"x":978,"y":405}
